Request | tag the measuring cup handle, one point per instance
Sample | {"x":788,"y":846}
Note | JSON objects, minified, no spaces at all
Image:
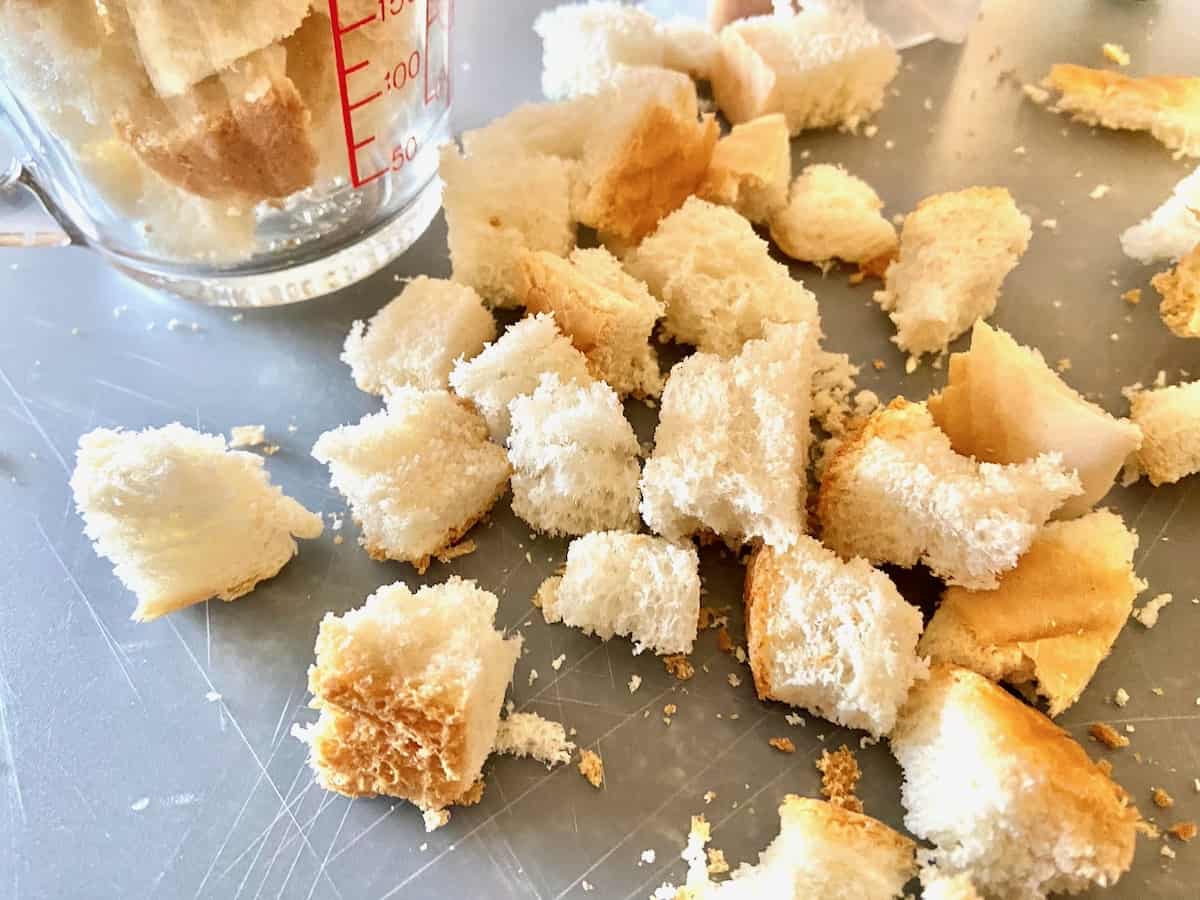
{"x":16,"y":228}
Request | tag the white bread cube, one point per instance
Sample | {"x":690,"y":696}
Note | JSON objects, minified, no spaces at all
{"x":409,"y":687}
{"x":607,"y":314}
{"x":1003,"y":404}
{"x":416,"y":338}
{"x":514,"y":365}
{"x":1170,"y":421}
{"x":634,"y":585}
{"x":833,"y":637}
{"x":498,"y":208}
{"x":1052,"y":620}
{"x":181,"y":518}
{"x":689,"y":46}
{"x":955,"y":250}
{"x":574,"y":458}
{"x":750,"y":168}
{"x":731,"y":446}
{"x":717,"y":279}
{"x":1172,"y":230}
{"x":417,"y":475}
{"x":1180,"y":292}
{"x":583,"y":44}
{"x":823,"y":67}
{"x":551,"y":129}
{"x":896,"y":492}
{"x":1006,"y":795}
{"x":832,"y":214}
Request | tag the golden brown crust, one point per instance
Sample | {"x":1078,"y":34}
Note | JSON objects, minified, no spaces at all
{"x":1180,"y":291}
{"x":1090,"y":87}
{"x":839,"y":778}
{"x":761,"y":586}
{"x":849,"y":827}
{"x":753,"y":155}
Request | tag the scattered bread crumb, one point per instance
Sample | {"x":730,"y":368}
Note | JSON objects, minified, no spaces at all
{"x":724,"y":641}
{"x":710,"y":796}
{"x":1107,"y":735}
{"x":247,"y":435}
{"x":1115,"y":53}
{"x":1038,"y":95}
{"x":733,"y":680}
{"x":557,"y":662}
{"x":1121,"y":697}
{"x":717,"y":864}
{"x":1148,"y":615}
{"x":591,"y":767}
{"x":839,"y":777}
{"x":1099,"y":191}
{"x":794,"y":720}
{"x":1161,"y":798}
{"x":1133,"y":296}
{"x":533,"y":676}
{"x":1050,"y":224}
{"x":1183,"y":831}
{"x":435,"y":819}
{"x":1064,"y":364}
{"x":1167,"y":852}
{"x":679,"y":666}
{"x":648,"y":857}
{"x":782,"y":744}
{"x":635,"y":682}
{"x":878,"y":364}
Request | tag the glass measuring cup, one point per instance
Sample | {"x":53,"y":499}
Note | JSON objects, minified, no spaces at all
{"x":238,"y":152}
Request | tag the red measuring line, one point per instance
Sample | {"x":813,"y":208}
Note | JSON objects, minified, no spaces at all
{"x":344,"y":95}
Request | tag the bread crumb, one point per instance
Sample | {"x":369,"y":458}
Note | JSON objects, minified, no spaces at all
{"x":782,"y":744}
{"x":679,"y":666}
{"x":648,"y":857}
{"x":794,"y":720}
{"x":1107,"y":735}
{"x":1038,"y":95}
{"x":1161,"y":798}
{"x":1183,"y":831}
{"x":1121,"y":697}
{"x":424,"y":846}
{"x":870,"y":131}
{"x":889,"y":144}
{"x":1157,"y":692}
{"x":1133,"y":296}
{"x":670,"y":709}
{"x":724,"y":641}
{"x":1130,"y":729}
{"x":338,"y":540}
{"x":533,"y":676}
{"x":635,"y":682}
{"x":247,"y":435}
{"x":1020,"y":150}
{"x":1099,"y":191}
{"x":557,"y":662}
{"x":270,"y":449}
{"x":878,"y":364}
{"x":1115,"y":53}
{"x":910,"y":365}
{"x":1064,"y":364}
{"x":237,"y":317}
{"x":587,"y":886}
{"x":733,"y":680}
{"x":591,"y":767}
{"x":1167,"y":852}
{"x":435,"y":819}
{"x":739,"y":654}
{"x":139,"y":804}
{"x":716,"y":861}
{"x":1050,"y":224}
{"x":839,"y":777}
{"x":1148,"y":615}
{"x":710,"y":796}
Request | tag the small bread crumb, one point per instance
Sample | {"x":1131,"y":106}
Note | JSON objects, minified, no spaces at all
{"x":533,"y":676}
{"x":733,"y":680}
{"x":679,"y":666}
{"x":716,"y":861}
{"x":782,"y":744}
{"x":794,"y":720}
{"x":878,"y":364}
{"x":1121,"y":697}
{"x":1050,"y":224}
{"x":1115,"y":53}
{"x":247,"y":435}
{"x":648,"y":857}
{"x":557,"y":662}
{"x":1099,"y":191}
{"x":1161,"y":798}
{"x":724,"y":641}
{"x":1148,"y":614}
{"x":1167,"y":852}
{"x":870,"y":131}
{"x":1133,"y":296}
{"x":839,"y":777}
{"x":635,"y":682}
{"x":710,"y":796}
{"x":591,"y":767}
{"x":1183,"y":831}
{"x":1107,"y":735}
{"x":1064,"y":364}
{"x":435,"y":819}
{"x":1038,"y":95}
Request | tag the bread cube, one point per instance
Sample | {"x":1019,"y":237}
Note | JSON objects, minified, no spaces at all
{"x":731,"y":446}
{"x":689,"y":46}
{"x":552,"y":129}
{"x":1003,"y":404}
{"x":1006,"y":795}
{"x":896,"y":492}
{"x":633,"y":585}
{"x":1172,"y":230}
{"x":833,"y":637}
{"x":822,"y":67}
{"x":583,"y":44}
{"x":717,"y":279}
{"x":416,"y":338}
{"x":750,"y":168}
{"x":417,"y":476}
{"x":1170,"y":421}
{"x":1052,"y":620}
{"x":409,"y":687}
{"x":574,"y":458}
{"x":832,"y":214}
{"x":1180,"y":292}
{"x":607,"y":314}
{"x":181,"y":517}
{"x":514,"y":365}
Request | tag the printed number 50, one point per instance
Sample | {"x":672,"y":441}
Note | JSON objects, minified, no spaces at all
{"x":404,"y":153}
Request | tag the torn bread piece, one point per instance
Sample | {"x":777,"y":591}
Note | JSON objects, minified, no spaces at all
{"x":750,"y":168}
{"x":181,"y":517}
{"x":826,"y":66}
{"x":955,"y":251}
{"x":1005,"y":794}
{"x":409,"y":687}
{"x":1052,"y":620}
{"x":607,"y":314}
{"x":417,"y":475}
{"x":528,"y":734}
{"x":717,"y":278}
{"x":416,"y":338}
{"x":689,"y":46}
{"x":832,"y":214}
{"x":1167,"y":106}
{"x":1180,"y":292}
{"x":633,"y":585}
{"x":833,"y":637}
{"x":550,"y":129}
{"x":1003,"y":404}
{"x":1172,"y":230}
{"x":731,"y":446}
{"x":896,"y":492}
{"x":1170,"y":421}
{"x":574,"y":458}
{"x":514,"y":365}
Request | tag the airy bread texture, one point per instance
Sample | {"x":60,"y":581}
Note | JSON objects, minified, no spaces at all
{"x":417,"y":337}
{"x":635,"y":585}
{"x":896,"y":492}
{"x":1180,"y":291}
{"x":1003,"y":404}
{"x":833,"y":637}
{"x":1005,"y":794}
{"x":1052,"y":620}
{"x":832,"y":214}
{"x":1167,"y":106}
{"x":409,"y":687}
{"x":528,"y":734}
{"x":417,"y":475}
{"x":820,"y":68}
{"x":583,"y":45}
{"x":574,"y":458}
{"x":1170,"y":421}
{"x":717,"y":279}
{"x":181,"y":518}
{"x":497,"y":209}
{"x":936,"y":886}
{"x":551,"y":129}
{"x":750,"y":168}
{"x":731,"y":446}
{"x":1172,"y":230}
{"x":607,"y":314}
{"x":689,"y":46}
{"x":513,"y":366}
{"x":955,"y":250}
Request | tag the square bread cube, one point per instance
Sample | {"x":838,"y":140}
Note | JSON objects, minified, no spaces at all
{"x":1170,"y":421}
{"x":635,"y":585}
{"x":574,"y":458}
{"x":731,"y":447}
{"x":717,"y":279}
{"x":409,"y":687}
{"x":832,"y":214}
{"x":181,"y":517}
{"x":832,"y":637}
{"x":750,"y":168}
{"x":416,"y":338}
{"x":417,"y":476}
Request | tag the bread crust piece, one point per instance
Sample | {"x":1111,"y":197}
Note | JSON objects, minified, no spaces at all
{"x":1180,"y":291}
{"x":750,"y":168}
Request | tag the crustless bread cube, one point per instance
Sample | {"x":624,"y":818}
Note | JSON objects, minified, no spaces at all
{"x":832,"y":214}
{"x":1170,"y":421}
{"x":750,"y":168}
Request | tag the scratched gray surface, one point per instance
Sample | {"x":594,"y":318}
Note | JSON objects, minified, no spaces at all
{"x":120,"y":779}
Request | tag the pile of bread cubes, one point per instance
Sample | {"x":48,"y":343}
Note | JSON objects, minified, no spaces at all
{"x":990,"y":483}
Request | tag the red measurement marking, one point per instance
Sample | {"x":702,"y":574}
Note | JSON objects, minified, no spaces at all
{"x":433,"y":14}
{"x":366,"y":20}
{"x":344,"y":96}
{"x":354,"y":68}
{"x":365,"y":100}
